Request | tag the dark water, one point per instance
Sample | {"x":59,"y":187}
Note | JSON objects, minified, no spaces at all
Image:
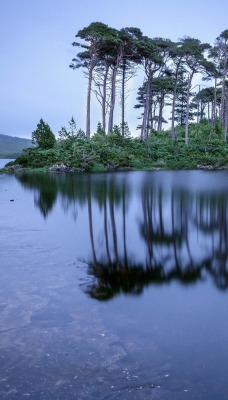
{"x":114,"y":286}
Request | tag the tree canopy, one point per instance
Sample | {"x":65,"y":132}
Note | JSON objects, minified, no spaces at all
{"x":111,"y":58}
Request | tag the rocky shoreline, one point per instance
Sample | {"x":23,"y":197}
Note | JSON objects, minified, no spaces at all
{"x":63,"y":168}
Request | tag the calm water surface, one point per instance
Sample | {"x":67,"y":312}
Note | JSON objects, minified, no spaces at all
{"x":114,"y":286}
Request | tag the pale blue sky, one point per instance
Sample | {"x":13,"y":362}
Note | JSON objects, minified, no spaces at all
{"x":35,"y":43}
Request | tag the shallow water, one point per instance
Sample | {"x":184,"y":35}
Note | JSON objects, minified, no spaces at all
{"x":114,"y":286}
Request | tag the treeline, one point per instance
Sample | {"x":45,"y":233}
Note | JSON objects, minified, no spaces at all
{"x":110,"y":58}
{"x":75,"y":152}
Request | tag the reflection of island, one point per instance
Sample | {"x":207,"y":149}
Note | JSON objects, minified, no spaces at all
{"x":143,"y":233}
{"x":46,"y":193}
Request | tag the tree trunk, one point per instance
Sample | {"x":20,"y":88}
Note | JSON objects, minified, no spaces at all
{"x":187,"y":109}
{"x":104,"y":99}
{"x":173,"y":134}
{"x":143,"y":128}
{"x":223,"y":89}
{"x":161,"y":105}
{"x":113,"y":98}
{"x":226,"y":114}
{"x":149,"y":113}
{"x":208,"y":111}
{"x":113,"y":91}
{"x":144,"y":133}
{"x":214,"y":105}
{"x":198,"y":116}
{"x":173,"y":111}
{"x":89,"y":101}
{"x":123,"y":98}
{"x":152,"y":119}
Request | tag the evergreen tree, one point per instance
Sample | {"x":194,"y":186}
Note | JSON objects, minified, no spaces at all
{"x":43,"y":136}
{"x":154,"y":55}
{"x":100,"y":130}
{"x":95,"y":37}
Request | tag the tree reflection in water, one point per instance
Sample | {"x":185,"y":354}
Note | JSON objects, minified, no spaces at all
{"x":147,"y":232}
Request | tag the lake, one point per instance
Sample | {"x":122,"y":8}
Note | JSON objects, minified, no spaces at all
{"x":114,"y":286}
{"x":3,"y":162}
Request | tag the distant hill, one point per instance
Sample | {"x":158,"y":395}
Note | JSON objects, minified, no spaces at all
{"x":12,"y":146}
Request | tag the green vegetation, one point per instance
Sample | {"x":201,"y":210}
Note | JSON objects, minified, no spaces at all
{"x":43,"y":136}
{"x":112,"y":152}
{"x":11,"y":147}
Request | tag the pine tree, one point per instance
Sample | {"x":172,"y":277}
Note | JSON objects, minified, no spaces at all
{"x":43,"y":136}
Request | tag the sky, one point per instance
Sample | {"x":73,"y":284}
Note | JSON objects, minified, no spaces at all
{"x":36,"y":49}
